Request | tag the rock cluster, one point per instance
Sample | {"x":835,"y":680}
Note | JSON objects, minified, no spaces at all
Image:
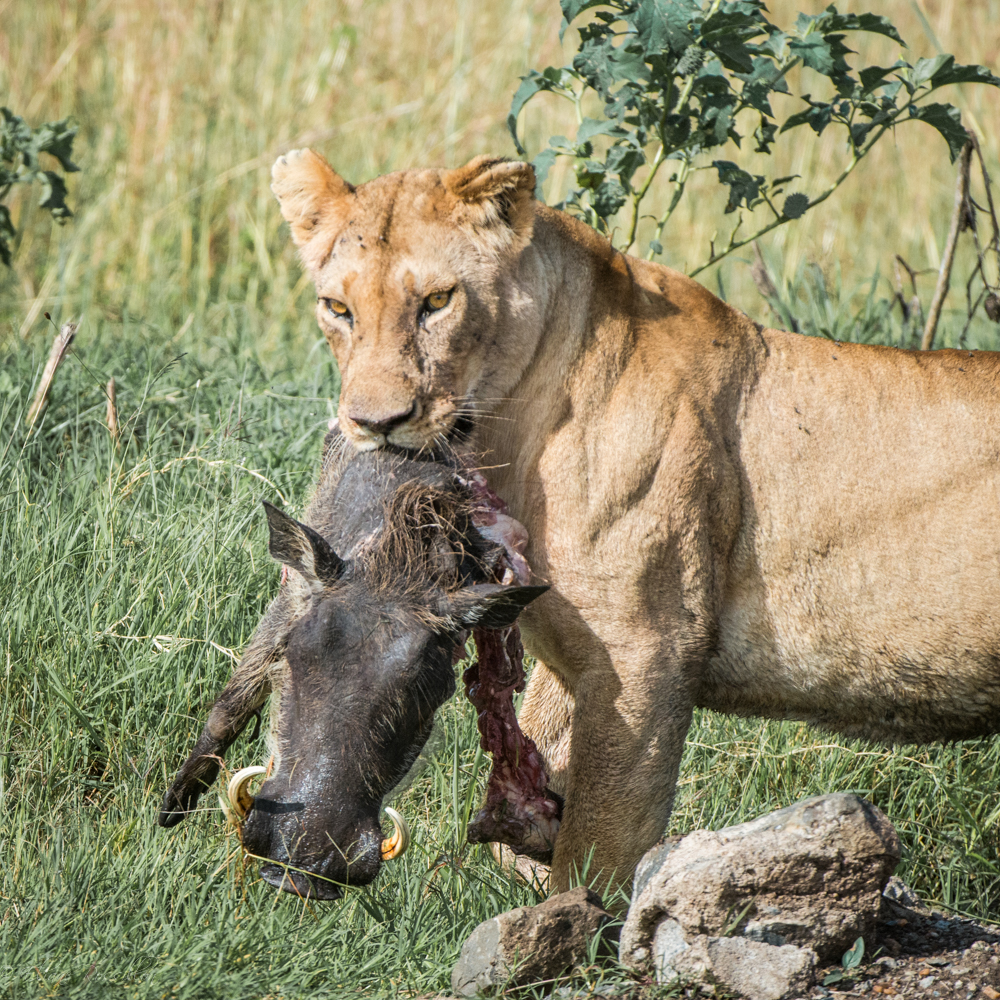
{"x":755,"y":907}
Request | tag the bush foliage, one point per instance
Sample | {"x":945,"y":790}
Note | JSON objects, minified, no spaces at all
{"x":21,"y":147}
{"x":679,"y":79}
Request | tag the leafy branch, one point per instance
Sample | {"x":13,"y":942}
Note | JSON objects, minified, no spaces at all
{"x":681,"y":78}
{"x":21,"y":147}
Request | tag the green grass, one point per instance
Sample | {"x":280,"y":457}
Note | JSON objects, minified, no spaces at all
{"x":130,"y":578}
{"x":133,"y":576}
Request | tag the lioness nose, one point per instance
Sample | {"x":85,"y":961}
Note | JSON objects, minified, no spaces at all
{"x":382,"y":423}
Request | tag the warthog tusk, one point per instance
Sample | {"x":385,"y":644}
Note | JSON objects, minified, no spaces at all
{"x":396,"y":845}
{"x":240,"y":800}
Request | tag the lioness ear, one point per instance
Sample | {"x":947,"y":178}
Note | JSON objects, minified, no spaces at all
{"x":307,"y":190}
{"x":488,"y":605}
{"x":299,"y":546}
{"x":493,"y":190}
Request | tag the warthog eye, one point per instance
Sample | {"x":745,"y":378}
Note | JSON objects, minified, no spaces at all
{"x":338,"y":309}
{"x":437,"y":300}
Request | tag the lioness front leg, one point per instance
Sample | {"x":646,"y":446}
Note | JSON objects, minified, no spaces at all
{"x":624,"y":759}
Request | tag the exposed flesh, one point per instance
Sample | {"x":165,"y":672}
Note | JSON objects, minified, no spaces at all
{"x":518,"y":810}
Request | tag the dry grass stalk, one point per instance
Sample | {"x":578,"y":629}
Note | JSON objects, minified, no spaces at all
{"x":112,"y":395}
{"x":191,"y":102}
{"x":59,"y":348}
{"x":760,"y":275}
{"x":958,"y":223}
{"x":911,"y":308}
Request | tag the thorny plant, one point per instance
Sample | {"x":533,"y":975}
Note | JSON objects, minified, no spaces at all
{"x":989,"y":293}
{"x":21,"y":147}
{"x":821,"y":314}
{"x":679,"y":78}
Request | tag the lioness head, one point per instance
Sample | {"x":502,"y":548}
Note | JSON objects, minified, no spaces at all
{"x":417,"y":290}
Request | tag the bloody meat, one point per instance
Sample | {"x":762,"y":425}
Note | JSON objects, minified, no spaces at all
{"x":519,"y":810}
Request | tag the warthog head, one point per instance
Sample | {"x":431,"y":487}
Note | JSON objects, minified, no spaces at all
{"x":361,"y":655}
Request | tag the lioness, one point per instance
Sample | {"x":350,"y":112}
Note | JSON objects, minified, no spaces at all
{"x":729,"y":516}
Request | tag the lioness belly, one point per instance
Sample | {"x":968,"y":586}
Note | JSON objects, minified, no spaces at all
{"x":864,"y":591}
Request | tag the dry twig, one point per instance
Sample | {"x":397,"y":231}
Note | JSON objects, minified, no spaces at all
{"x":767,"y":288}
{"x":59,"y":348}
{"x":760,"y":275}
{"x":112,"y":395}
{"x":959,"y":221}
{"x":911,"y":308}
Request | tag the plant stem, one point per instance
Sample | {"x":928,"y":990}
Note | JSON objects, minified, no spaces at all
{"x":637,"y":197}
{"x":682,"y":176}
{"x":59,"y":348}
{"x":856,"y":158}
{"x":944,"y":276}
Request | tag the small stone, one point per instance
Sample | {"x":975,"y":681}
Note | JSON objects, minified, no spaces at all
{"x":899,"y":892}
{"x":926,"y":983}
{"x":530,"y":944}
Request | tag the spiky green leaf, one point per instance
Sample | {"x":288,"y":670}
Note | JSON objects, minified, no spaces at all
{"x":744,"y":188}
{"x":947,"y":119}
{"x":795,"y":206}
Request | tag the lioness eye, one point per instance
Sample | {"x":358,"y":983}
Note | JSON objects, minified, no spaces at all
{"x":437,"y":300}
{"x":337,"y":308}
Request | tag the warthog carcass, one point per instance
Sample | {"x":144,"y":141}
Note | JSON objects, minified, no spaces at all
{"x":386,"y":577}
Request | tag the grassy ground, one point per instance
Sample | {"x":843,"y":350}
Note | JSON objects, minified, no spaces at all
{"x":134,"y":576}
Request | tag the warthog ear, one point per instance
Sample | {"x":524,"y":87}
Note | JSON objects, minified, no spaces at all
{"x":299,"y":546}
{"x":495,"y":190}
{"x":308,"y":191}
{"x":488,"y":605}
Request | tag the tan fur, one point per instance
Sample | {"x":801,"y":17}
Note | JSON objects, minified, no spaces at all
{"x":732,"y":517}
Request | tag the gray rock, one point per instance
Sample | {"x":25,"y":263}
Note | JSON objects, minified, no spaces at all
{"x":899,"y":892}
{"x":531,"y":943}
{"x":760,"y":971}
{"x":676,"y":957}
{"x":651,"y":862}
{"x":755,"y":970}
{"x":810,"y":876}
